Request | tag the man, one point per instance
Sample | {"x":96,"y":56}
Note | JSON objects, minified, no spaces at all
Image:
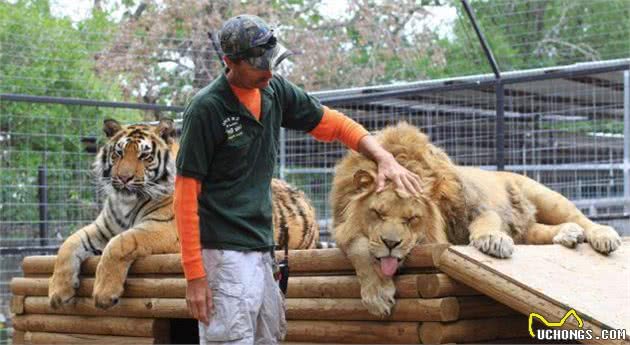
{"x":229,"y":145}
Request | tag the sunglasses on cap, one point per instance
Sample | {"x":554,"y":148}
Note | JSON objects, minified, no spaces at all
{"x":266,"y":56}
{"x":257,"y":51}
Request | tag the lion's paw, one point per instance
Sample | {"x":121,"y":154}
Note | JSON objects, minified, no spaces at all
{"x":379,"y":299}
{"x":496,"y":244}
{"x":570,"y":235}
{"x":604,"y":239}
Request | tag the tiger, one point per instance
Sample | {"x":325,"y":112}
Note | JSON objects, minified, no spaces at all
{"x":293,"y":217}
{"x":136,"y":171}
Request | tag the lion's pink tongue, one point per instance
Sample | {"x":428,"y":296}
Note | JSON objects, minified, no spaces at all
{"x":389,"y":265}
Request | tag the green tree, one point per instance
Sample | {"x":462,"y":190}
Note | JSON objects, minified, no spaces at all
{"x":539,"y":33}
{"x":48,"y":56}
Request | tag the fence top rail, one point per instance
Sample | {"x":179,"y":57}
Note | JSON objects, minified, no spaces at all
{"x":341,"y":96}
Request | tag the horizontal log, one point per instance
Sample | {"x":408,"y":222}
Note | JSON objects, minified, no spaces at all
{"x":353,"y":332}
{"x":134,"y":287}
{"x":475,"y":307}
{"x":473,"y":330}
{"x":440,"y":285}
{"x":334,"y":260}
{"x":344,"y":286}
{"x":301,"y":262}
{"x":172,"y":308}
{"x":351,"y":309}
{"x":299,"y":287}
{"x":68,"y":338}
{"x":97,"y":325}
{"x":160,"y":264}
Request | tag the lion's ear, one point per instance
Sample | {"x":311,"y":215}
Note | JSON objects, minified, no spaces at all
{"x":363,"y":179}
{"x":402,"y":157}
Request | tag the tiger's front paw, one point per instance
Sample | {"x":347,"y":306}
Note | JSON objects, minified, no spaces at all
{"x":61,"y":290}
{"x":106,"y":295}
{"x":604,"y":239}
{"x":496,"y":244}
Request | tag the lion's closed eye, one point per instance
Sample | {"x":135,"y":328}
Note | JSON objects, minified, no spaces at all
{"x":378,"y":214}
{"x":411,"y":220}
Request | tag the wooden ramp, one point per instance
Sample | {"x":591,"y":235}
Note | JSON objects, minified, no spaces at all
{"x":550,"y":280}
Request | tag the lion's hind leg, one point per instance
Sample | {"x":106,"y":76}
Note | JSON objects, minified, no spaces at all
{"x":487,"y":236}
{"x":553,"y":208}
{"x":566,"y":234}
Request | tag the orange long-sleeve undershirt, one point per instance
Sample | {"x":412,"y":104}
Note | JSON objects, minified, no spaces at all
{"x":185,"y":204}
{"x":333,"y":126}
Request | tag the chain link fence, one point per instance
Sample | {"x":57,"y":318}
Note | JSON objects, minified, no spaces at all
{"x":561,"y":115}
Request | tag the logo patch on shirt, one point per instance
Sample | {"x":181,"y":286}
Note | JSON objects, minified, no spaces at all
{"x":233,"y":127}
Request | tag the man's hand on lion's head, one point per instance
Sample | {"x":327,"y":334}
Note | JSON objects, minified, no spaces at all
{"x":389,"y":167}
{"x":405,"y":180}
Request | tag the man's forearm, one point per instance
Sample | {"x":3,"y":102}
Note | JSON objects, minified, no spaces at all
{"x":369,"y":147}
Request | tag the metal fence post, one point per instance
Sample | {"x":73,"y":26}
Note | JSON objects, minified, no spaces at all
{"x":498,"y":87}
{"x":626,"y":141}
{"x":500,"y":126}
{"x":42,"y":189}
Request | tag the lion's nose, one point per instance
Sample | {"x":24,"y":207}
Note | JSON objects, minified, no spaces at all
{"x":390,"y":243}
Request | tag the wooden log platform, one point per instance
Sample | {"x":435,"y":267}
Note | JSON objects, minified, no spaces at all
{"x":444,"y":295}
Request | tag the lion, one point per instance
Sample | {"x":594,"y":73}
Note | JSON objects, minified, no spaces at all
{"x":459,"y":205}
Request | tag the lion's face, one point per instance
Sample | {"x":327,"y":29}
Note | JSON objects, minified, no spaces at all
{"x":393,"y":227}
{"x":393,"y":221}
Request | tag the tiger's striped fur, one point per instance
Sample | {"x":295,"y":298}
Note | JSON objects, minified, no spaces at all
{"x":293,"y":215}
{"x":136,"y":170}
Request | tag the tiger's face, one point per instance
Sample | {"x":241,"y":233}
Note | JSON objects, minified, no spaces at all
{"x":137,"y":160}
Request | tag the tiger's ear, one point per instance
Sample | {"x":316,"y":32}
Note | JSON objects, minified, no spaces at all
{"x":111,"y":127}
{"x":363,"y":180}
{"x":166,"y":129}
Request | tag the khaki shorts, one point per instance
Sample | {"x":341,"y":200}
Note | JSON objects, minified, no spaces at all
{"x":249,"y":307}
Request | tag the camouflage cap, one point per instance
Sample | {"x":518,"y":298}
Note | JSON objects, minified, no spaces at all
{"x":250,"y":38}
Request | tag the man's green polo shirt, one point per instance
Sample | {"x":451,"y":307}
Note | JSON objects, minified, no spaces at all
{"x":234,"y":155}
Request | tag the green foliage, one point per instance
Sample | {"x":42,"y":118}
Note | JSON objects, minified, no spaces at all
{"x":533,"y":34}
{"x":44,"y":55}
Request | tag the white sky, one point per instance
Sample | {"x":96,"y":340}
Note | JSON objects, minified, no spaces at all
{"x":75,"y":9}
{"x":442,"y":17}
